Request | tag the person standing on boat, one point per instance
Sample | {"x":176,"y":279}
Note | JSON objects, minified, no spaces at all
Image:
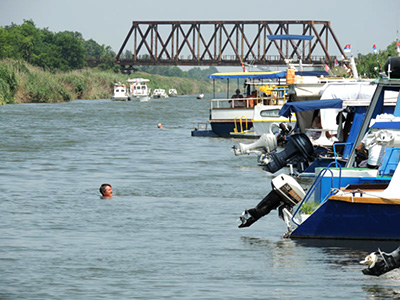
{"x":106,"y":190}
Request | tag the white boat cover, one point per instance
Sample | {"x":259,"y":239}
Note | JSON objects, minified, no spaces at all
{"x":354,"y":91}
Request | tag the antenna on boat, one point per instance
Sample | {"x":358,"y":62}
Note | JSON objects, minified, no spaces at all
{"x":353,"y":67}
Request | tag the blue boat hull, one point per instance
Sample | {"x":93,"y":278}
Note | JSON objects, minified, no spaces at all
{"x":224,"y":129}
{"x":345,"y":220}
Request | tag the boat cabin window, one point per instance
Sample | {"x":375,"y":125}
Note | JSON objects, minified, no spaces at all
{"x":270,"y":113}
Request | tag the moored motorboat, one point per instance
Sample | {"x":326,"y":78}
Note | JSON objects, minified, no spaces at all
{"x":120,"y":92}
{"x":233,"y":114}
{"x":172,"y":93}
{"x":200,"y":96}
{"x":138,"y":89}
{"x":159,"y":94}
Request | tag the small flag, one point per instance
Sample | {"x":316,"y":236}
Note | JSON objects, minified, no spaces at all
{"x":347,"y":48}
{"x":244,"y":68}
{"x":374,"y":48}
{"x":327,"y":68}
{"x":336,"y":63}
{"x":398,"y":45}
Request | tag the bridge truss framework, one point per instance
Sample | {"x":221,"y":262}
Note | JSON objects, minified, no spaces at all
{"x":227,"y":43}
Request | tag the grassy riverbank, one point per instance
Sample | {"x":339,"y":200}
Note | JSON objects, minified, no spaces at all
{"x":21,"y":82}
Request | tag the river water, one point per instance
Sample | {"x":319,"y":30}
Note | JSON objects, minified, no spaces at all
{"x":170,"y":232}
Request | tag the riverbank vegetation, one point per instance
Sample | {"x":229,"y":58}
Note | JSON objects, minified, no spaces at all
{"x":21,"y":82}
{"x":37,"y":65}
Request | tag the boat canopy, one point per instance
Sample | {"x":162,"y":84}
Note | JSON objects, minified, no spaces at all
{"x":291,"y":107}
{"x":312,"y":73}
{"x":387,"y":125}
{"x":265,"y":75}
{"x":290,"y":37}
{"x":248,"y":75}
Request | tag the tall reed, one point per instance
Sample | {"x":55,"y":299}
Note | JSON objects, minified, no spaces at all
{"x":21,"y":82}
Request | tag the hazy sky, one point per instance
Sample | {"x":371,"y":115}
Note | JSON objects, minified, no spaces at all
{"x":360,"y":23}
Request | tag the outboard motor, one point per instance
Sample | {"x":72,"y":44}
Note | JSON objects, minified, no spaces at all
{"x":380,"y":262}
{"x":266,"y":143}
{"x":299,"y":146}
{"x":392,"y":67}
{"x":286,"y":193}
{"x":285,"y":130}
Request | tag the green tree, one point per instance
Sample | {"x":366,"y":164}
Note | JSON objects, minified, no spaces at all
{"x":371,"y":64}
{"x":72,"y":50}
{"x":93,"y":49}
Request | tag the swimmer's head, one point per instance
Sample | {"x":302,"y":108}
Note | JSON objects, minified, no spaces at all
{"x":106,"y":190}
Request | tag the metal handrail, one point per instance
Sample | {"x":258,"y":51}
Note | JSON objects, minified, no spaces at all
{"x":334,"y":148}
{"x":315,"y":184}
{"x":226,"y":103}
{"x":241,"y":124}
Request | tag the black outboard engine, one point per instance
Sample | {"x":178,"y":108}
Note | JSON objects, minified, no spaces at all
{"x":299,"y":146}
{"x":285,"y":130}
{"x":393,"y":65}
{"x":380,"y":262}
{"x":286,"y":193}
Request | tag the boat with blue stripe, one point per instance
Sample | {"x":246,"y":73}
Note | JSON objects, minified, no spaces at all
{"x":255,"y":107}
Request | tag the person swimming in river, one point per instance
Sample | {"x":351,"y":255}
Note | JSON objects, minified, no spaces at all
{"x":106,"y":190}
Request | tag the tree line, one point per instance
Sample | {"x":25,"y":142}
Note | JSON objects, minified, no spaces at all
{"x":61,"y":51}
{"x":67,"y":51}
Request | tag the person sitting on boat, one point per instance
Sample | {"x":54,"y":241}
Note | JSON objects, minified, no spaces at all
{"x":238,"y":103}
{"x":371,"y":156}
{"x":106,"y":190}
{"x":237,"y":94}
{"x":252,"y":99}
{"x":316,"y":125}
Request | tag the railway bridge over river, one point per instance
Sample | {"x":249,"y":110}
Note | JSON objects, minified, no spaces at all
{"x":229,"y":43}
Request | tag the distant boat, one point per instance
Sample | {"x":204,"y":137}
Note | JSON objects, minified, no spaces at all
{"x":159,"y":93}
{"x":172,"y":93}
{"x":120,"y":92}
{"x":201,"y":96}
{"x":138,"y":89}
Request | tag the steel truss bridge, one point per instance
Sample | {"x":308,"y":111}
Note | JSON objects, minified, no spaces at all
{"x":228,"y":43}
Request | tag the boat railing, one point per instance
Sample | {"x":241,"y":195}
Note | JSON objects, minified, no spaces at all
{"x":249,"y":102}
{"x":315,"y":184}
{"x":200,"y":126}
{"x":335,"y":153}
{"x":240,"y":120}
